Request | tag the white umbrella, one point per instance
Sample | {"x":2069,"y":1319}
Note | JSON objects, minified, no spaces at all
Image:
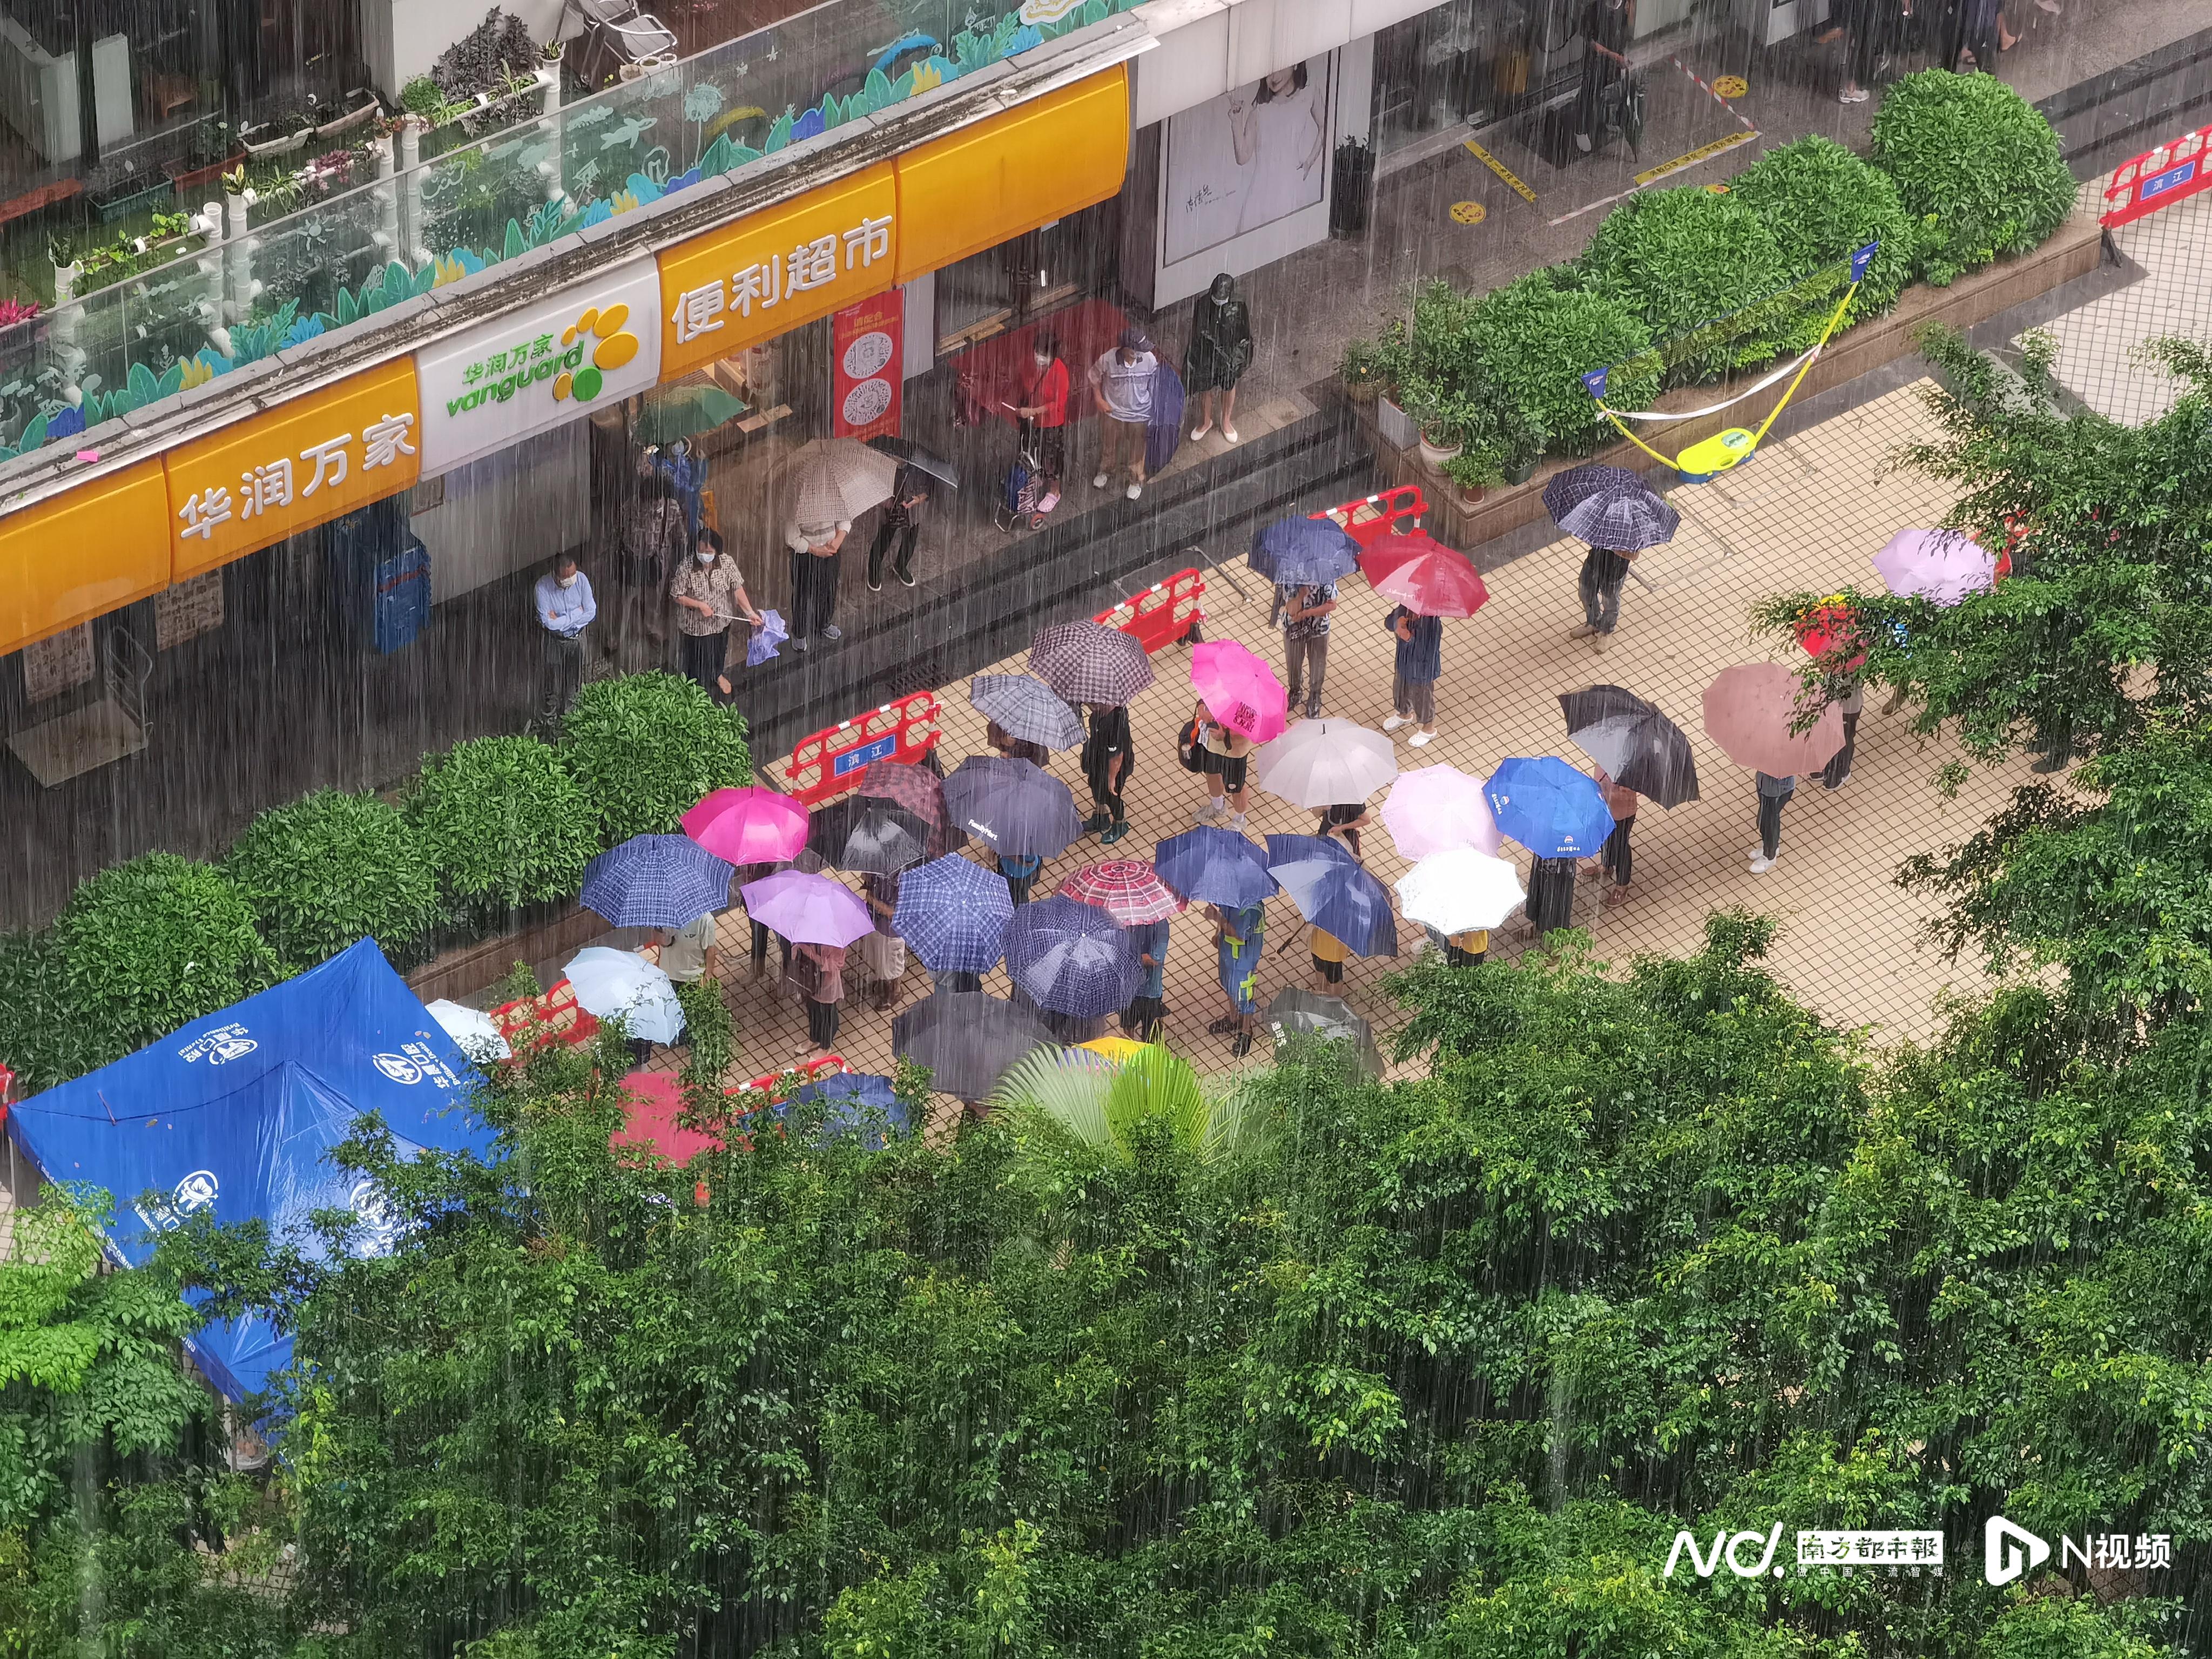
{"x":1325,"y":763}
{"x":1458,"y":888}
{"x":610,"y":983}
{"x":477,"y":1034}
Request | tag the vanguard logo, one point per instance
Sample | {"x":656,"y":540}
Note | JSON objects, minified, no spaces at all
{"x":2009,"y":1551}
{"x":1707,"y":1565}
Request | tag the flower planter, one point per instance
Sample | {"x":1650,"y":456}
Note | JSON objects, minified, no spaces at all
{"x":1469,"y":497}
{"x":270,"y":142}
{"x":183,"y":178}
{"x":1434,"y":454}
{"x":360,"y":105}
{"x":146,"y":193}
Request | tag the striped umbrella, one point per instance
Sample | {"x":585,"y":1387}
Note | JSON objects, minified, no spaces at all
{"x":1129,"y":890}
{"x":1089,"y":662}
{"x":1071,"y":958}
{"x":657,"y":881}
{"x":952,"y":914}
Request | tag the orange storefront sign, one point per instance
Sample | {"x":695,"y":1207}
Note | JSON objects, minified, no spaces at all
{"x":300,"y":464}
{"x":91,"y":551}
{"x":771,"y":270}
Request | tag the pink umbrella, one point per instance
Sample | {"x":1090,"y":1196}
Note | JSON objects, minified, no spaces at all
{"x":1437,"y":808}
{"x":1940,"y":565}
{"x":1749,"y":710}
{"x":652,"y":1102}
{"x":748,"y":826}
{"x":807,"y":909}
{"x":1238,"y":689}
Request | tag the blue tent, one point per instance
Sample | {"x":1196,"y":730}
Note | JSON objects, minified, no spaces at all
{"x":235,"y":1113}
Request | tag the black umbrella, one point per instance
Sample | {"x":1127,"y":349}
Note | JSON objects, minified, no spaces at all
{"x":968,"y":1040}
{"x":1012,"y":807}
{"x":1610,"y":507}
{"x":920,"y":460}
{"x":1330,"y":1018}
{"x":867,"y":834}
{"x":1639,"y":748}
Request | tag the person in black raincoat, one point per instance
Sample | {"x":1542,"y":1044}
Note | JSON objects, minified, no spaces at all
{"x":1220,"y":351}
{"x":1106,"y":769}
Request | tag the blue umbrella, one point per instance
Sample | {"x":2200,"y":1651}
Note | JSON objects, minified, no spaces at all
{"x":1072,"y":958}
{"x":1333,"y":893}
{"x":952,"y":914}
{"x":657,"y":881}
{"x":1551,"y":809}
{"x":850,"y":1100}
{"x":1610,"y":507}
{"x":1303,"y":552}
{"x":1012,"y":807}
{"x":1212,"y":866}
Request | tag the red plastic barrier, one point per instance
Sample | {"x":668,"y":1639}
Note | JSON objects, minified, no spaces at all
{"x":2158,"y":178}
{"x":1393,"y":513}
{"x":797,"y":1076}
{"x":830,"y":761}
{"x":1166,"y":611}
{"x":552,"y":1018}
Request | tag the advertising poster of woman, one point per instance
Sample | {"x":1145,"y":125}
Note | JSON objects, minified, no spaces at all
{"x":1246,"y":159}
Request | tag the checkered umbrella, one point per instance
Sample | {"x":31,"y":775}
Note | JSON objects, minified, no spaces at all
{"x":922,"y":792}
{"x":1027,"y":709}
{"x":952,"y":914}
{"x":1071,"y":958}
{"x":1129,"y":890}
{"x":1089,"y":662}
{"x":1610,"y":507}
{"x":838,"y":479}
{"x":656,"y":881}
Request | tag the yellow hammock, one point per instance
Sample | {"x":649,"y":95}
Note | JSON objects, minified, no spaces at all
{"x":1733,"y":447}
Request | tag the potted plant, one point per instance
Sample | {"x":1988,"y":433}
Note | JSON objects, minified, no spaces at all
{"x":1444,"y":417}
{"x":1361,"y":370}
{"x":280,"y":135}
{"x":1472,"y":471}
{"x":1521,"y":440}
{"x":355,"y":108}
{"x":212,"y":147}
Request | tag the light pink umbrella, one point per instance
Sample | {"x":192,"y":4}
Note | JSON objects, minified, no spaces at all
{"x":1238,"y":689}
{"x":807,"y":909}
{"x":1437,"y":808}
{"x":748,"y":826}
{"x":1940,"y":565}
{"x":1749,"y":710}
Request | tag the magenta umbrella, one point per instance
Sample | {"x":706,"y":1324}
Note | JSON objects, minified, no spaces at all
{"x":748,"y":826}
{"x":1238,"y":689}
{"x":1438,"y":808}
{"x":1749,"y":711}
{"x":1940,"y":565}
{"x":807,"y":909}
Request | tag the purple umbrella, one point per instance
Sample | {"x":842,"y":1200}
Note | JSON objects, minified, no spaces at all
{"x":1940,"y":565}
{"x":1012,"y":807}
{"x":1164,"y":436}
{"x":1071,"y":958}
{"x":807,"y":909}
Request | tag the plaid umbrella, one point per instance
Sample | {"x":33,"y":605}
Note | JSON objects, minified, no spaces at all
{"x":1011,"y":807}
{"x":1333,"y":893}
{"x":657,"y":881}
{"x":952,"y":914}
{"x":863,"y":833}
{"x":838,"y":479}
{"x":922,"y":792}
{"x":1212,"y":866}
{"x":1610,"y":507}
{"x":1027,"y":709}
{"x":1071,"y":958}
{"x":1303,"y":552}
{"x":966,"y":1040}
{"x":1129,"y":890}
{"x":808,"y":909}
{"x":1089,"y":662}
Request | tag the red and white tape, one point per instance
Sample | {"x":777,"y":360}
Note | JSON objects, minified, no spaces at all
{"x":1710,"y":93}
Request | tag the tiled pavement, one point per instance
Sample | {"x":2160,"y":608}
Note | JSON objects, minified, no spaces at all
{"x":1808,"y":513}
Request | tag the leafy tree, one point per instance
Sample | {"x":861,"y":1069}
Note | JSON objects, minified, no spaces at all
{"x":506,"y":823}
{"x":1679,"y":259}
{"x":1975,"y":163}
{"x":646,"y":747}
{"x":332,"y":868}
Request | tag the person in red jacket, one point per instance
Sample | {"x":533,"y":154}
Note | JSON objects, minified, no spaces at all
{"x":1043,"y":412}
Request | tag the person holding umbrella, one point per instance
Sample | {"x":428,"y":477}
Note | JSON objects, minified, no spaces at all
{"x":1221,"y":757}
{"x":1614,"y":858}
{"x":1619,"y":515}
{"x":1751,"y":712}
{"x":901,"y":519}
{"x":1305,"y":609}
{"x":1240,"y":941}
{"x":1420,"y":664}
{"x":1773,"y":795}
{"x":1558,"y":815}
{"x":814,"y":565}
{"x":708,"y":591}
{"x":1141,"y":1019}
{"x":883,"y":952}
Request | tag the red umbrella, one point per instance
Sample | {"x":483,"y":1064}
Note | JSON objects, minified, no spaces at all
{"x":920,"y":791}
{"x":1830,"y":630}
{"x":1436,"y":583}
{"x":1129,"y":890}
{"x":1387,"y":553}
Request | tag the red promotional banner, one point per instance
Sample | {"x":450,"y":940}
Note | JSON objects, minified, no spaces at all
{"x":867,"y":355}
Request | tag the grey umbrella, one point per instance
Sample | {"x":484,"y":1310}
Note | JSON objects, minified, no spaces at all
{"x":1330,"y":1018}
{"x":1011,"y":807}
{"x":920,"y":460}
{"x":864,"y":833}
{"x":968,"y":1040}
{"x":1025,"y":706}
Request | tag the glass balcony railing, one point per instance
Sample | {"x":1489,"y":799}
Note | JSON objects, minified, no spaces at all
{"x":401,"y":212}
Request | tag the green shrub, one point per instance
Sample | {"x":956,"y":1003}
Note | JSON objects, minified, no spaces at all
{"x":41,"y":1038}
{"x":1683,"y":261}
{"x":1537,"y":339}
{"x":324,"y":871}
{"x":153,"y":945}
{"x":646,"y":747}
{"x":505,"y":822}
{"x":1975,"y":163}
{"x":1820,"y":202}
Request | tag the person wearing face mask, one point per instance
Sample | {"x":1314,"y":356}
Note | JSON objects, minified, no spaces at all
{"x":709,"y":592}
{"x":1220,"y":352}
{"x":565,"y":608}
{"x":1122,"y":387}
{"x":1043,"y":413}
